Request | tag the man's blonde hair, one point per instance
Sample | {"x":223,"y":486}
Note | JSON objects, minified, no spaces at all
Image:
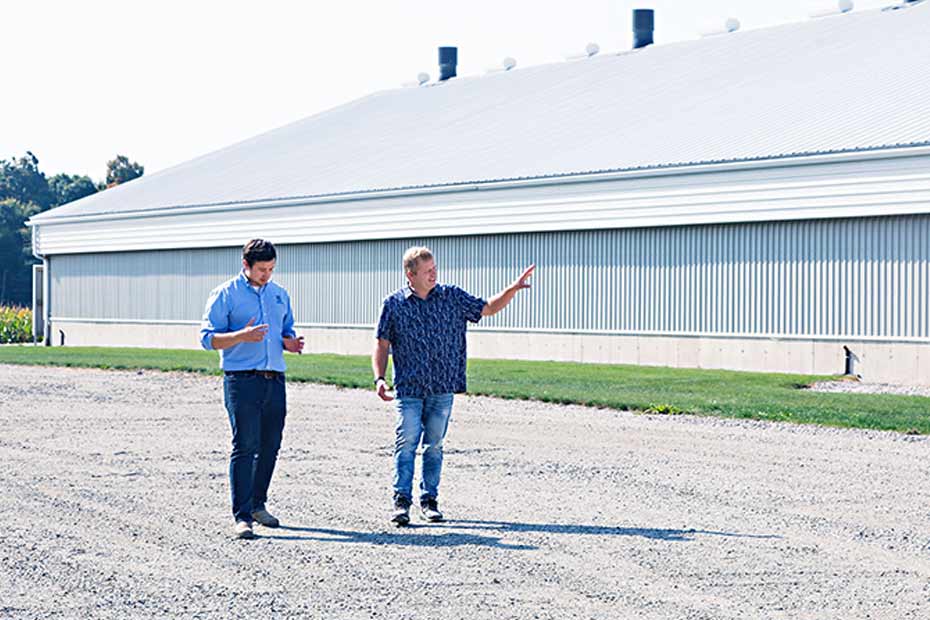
{"x":413,"y":256}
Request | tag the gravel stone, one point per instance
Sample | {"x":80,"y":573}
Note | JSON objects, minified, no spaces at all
{"x":115,"y":505}
{"x":855,"y":387}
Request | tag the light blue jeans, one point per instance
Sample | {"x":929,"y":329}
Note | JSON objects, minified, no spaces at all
{"x":419,"y":419}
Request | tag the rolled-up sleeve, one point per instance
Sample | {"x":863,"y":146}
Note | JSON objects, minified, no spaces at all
{"x":287,"y":325}
{"x":215,"y":318}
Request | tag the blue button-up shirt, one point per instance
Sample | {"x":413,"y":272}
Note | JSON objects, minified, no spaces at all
{"x":427,"y":338}
{"x":229,"y":309}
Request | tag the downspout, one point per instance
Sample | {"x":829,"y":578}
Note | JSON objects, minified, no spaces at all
{"x":45,"y":298}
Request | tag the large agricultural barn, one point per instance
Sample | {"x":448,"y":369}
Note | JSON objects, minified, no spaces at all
{"x":753,"y":200}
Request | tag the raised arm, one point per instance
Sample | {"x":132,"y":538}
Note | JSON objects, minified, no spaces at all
{"x":500,"y":301}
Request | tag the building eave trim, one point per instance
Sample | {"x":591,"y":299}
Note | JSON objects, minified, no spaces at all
{"x":670,"y":170}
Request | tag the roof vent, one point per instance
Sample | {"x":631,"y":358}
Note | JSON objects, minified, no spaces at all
{"x":507,"y":64}
{"x":448,"y":60}
{"x":730,"y":25}
{"x":832,"y":8}
{"x":643,"y":25}
{"x":904,"y":4}
{"x":591,"y":49}
{"x":422,"y":78}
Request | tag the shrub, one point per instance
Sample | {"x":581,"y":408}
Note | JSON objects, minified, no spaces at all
{"x":15,"y":324}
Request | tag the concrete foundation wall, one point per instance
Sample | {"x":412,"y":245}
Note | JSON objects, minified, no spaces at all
{"x":875,"y":361}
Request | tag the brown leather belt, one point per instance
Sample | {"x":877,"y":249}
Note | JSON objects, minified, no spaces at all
{"x":267,"y":374}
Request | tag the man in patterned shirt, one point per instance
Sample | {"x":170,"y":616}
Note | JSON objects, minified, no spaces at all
{"x":423,"y":327}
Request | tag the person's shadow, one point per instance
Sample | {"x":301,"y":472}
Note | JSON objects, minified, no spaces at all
{"x":417,"y":536}
{"x":409,"y":536}
{"x":596,"y":530}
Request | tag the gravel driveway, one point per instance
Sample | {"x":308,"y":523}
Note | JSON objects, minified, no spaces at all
{"x":115,"y":506}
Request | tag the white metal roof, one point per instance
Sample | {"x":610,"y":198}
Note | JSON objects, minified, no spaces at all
{"x":849,"y":82}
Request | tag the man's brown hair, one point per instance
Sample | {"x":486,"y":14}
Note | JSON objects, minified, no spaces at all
{"x":258,"y":251}
{"x":413,"y":256}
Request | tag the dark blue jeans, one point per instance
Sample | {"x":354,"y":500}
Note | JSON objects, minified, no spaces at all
{"x":257,"y":407}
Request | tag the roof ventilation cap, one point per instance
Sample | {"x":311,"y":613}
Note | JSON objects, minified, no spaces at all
{"x":448,"y":61}
{"x":591,"y":49}
{"x":730,"y":25}
{"x":422,"y":78}
{"x":643,"y":26}
{"x":507,"y":64}
{"x":904,"y":4}
{"x":835,"y":7}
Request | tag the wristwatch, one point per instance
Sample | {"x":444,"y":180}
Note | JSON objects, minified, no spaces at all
{"x":379,"y":379}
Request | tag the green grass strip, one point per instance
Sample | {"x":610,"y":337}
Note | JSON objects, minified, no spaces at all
{"x":758,"y":396}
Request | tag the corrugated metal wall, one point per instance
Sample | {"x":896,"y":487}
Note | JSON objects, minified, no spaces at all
{"x":865,"y":277}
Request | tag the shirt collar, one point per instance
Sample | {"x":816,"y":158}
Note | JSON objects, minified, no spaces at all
{"x":245,"y":281}
{"x":409,"y":292}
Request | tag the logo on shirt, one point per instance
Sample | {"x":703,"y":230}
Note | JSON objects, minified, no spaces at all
{"x":278,"y":299}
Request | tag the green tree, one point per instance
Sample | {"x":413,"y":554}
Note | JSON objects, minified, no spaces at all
{"x":21,"y":179}
{"x":15,"y":252}
{"x":70,"y":187}
{"x":24,"y":191}
{"x":120,"y":170}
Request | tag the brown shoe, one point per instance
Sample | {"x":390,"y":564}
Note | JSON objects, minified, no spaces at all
{"x":265,"y":518}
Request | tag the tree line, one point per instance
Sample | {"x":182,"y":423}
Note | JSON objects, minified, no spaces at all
{"x":26,"y":191}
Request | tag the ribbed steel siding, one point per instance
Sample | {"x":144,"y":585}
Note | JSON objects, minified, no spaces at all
{"x":864,"y":277}
{"x":138,"y":285}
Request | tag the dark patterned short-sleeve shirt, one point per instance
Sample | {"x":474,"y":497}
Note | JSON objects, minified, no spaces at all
{"x":427,"y":338}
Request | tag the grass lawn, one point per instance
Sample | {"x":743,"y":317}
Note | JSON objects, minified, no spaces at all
{"x":638,"y":388}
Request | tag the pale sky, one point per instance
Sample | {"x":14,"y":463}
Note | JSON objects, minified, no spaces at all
{"x":163,"y":82}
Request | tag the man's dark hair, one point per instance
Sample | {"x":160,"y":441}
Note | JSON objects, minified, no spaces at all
{"x":258,"y":251}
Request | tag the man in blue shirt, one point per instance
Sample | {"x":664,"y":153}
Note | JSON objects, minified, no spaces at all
{"x":423,"y":327}
{"x":249,"y":321}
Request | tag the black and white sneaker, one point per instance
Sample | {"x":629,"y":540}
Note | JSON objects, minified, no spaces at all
{"x":429,"y":508}
{"x":401,"y":515}
{"x":243,"y":530}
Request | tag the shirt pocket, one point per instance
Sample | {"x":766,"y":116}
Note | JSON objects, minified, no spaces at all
{"x":274,"y":316}
{"x":277,"y":309}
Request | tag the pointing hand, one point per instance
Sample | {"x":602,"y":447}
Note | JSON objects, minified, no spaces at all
{"x":521,"y":281}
